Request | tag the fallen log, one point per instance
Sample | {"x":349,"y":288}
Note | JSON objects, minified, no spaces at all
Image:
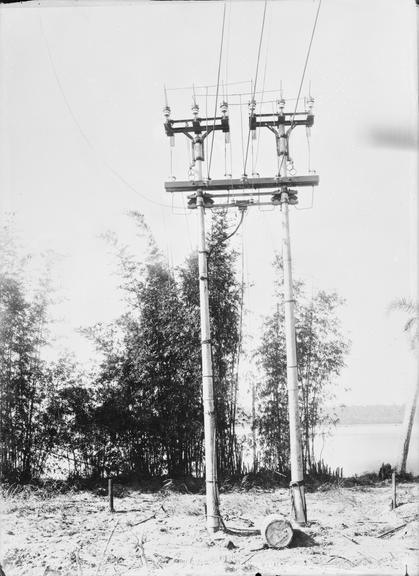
{"x":391,"y":531}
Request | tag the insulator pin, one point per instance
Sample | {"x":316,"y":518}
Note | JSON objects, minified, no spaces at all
{"x":195,"y":110}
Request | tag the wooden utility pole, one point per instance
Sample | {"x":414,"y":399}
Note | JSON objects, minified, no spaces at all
{"x":194,"y":130}
{"x":296,"y":455}
{"x":213,"y":515}
{"x":240,"y":193}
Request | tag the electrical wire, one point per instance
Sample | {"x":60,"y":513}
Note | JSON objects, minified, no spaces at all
{"x":273,"y":90}
{"x":83,"y":133}
{"x":188,"y":88}
{"x":206,"y":130}
{"x":305,"y":64}
{"x":227,"y":58}
{"x":263,"y":87}
{"x":229,"y":236}
{"x":256,"y":76}
{"x":240,"y":335}
{"x":311,"y":202}
{"x":218,"y":85}
{"x":242,"y":134}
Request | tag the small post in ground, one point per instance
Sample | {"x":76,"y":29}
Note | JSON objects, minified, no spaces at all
{"x":393,"y":484}
{"x":110,"y":495}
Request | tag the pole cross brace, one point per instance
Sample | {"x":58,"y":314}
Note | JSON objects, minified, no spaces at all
{"x":241,"y":183}
{"x":198,"y":126}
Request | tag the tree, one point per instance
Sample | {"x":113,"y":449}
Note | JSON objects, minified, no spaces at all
{"x":147,"y":387}
{"x":412,"y":328}
{"x":225,"y":303}
{"x":321,"y":350}
{"x":23,"y":319}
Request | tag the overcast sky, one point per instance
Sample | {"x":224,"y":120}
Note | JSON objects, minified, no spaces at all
{"x":82,"y":143}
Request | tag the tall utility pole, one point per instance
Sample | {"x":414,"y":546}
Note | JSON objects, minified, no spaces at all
{"x":196,"y":130}
{"x":240,"y":193}
{"x":213,"y":515}
{"x":296,"y":455}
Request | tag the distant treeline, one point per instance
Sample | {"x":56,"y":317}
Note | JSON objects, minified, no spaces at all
{"x":370,"y":414}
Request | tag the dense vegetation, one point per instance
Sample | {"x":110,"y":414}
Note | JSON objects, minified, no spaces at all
{"x":139,"y":411}
{"x":321,"y":350}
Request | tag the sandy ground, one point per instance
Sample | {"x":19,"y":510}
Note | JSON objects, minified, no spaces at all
{"x":164,"y":533}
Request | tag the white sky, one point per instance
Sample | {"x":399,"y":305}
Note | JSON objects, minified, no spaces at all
{"x":81,"y":112}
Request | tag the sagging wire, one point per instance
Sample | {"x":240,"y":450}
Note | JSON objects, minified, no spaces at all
{"x":206,"y":130}
{"x":223,"y":240}
{"x":178,"y":210}
{"x":172,"y":177}
{"x":87,"y":140}
{"x":225,"y":159}
{"x":252,"y":158}
{"x":240,"y":340}
{"x":311,"y":202}
{"x":226,"y":83}
{"x":218,"y":85}
{"x":305,"y":65}
{"x":257,"y":93}
{"x":169,"y":255}
{"x":191,"y":162}
{"x":260,"y":102}
{"x":256,"y":76}
{"x":187,"y":88}
{"x":241,"y":131}
{"x":310,"y":171}
{"x":263,"y":85}
{"x":188,"y":232}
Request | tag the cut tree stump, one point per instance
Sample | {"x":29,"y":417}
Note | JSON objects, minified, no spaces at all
{"x":276,"y":532}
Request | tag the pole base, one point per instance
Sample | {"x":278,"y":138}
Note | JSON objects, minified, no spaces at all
{"x":298,"y":503}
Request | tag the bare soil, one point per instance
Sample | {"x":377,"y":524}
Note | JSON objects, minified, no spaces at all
{"x":164,"y":533}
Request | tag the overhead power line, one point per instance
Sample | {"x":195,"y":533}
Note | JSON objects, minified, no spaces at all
{"x":306,"y":62}
{"x":83,"y":133}
{"x":256,"y":76}
{"x":218,"y":84}
{"x":203,"y":87}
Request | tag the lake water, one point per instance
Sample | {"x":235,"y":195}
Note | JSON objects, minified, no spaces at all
{"x":364,"y":447}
